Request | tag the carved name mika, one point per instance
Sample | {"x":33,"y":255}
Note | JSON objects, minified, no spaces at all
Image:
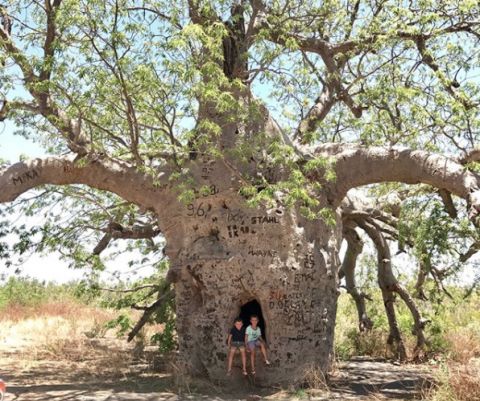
{"x":24,"y":177}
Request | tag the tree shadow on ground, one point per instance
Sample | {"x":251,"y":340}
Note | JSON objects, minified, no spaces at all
{"x":363,"y":377}
{"x":79,"y":380}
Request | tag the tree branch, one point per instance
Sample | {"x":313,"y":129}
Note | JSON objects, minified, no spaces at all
{"x":47,"y":107}
{"x":358,"y":165}
{"x":134,"y":232}
{"x":100,"y":172}
{"x":354,"y":248}
{"x":471,"y":157}
{"x":449,"y":85}
{"x":472,"y":250}
{"x":167,"y":294}
{"x":389,"y":284}
{"x":102,"y":244}
{"x":448,"y":203}
{"x":135,"y":289}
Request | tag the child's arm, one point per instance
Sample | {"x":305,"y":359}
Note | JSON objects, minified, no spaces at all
{"x":261,"y":338}
{"x":229,"y":339}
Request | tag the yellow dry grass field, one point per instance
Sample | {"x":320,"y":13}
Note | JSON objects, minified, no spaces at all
{"x":55,"y":345}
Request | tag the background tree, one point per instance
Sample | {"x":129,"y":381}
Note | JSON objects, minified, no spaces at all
{"x":170,"y":107}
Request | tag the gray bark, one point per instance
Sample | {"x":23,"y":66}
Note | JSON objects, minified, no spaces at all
{"x":387,"y":284}
{"x":347,"y":270}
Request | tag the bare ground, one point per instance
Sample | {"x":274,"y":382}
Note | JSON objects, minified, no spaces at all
{"x":107,"y":370}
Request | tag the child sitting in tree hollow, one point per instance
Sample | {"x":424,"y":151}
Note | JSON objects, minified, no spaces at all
{"x":253,"y":338}
{"x":236,"y":340}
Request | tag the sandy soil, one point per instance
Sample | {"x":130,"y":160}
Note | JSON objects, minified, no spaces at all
{"x":109,"y":370}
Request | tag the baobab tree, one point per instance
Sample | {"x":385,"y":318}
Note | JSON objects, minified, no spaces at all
{"x":235,"y":129}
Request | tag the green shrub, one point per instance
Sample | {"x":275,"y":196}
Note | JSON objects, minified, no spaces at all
{"x":453,"y":322}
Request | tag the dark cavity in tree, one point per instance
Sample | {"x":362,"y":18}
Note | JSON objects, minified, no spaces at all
{"x":253,"y":308}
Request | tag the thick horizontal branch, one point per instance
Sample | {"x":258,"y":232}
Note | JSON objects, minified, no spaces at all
{"x":355,"y":45}
{"x":101,"y":173}
{"x":135,"y":289}
{"x":359,"y":165}
{"x":115,"y":231}
{"x":119,"y":231}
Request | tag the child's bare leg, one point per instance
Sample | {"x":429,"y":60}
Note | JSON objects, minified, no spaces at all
{"x":230,"y":358}
{"x":264,"y":352}
{"x":252,"y":359}
{"x":244,"y":359}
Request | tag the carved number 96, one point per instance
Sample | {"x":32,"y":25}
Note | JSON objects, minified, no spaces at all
{"x":200,"y":211}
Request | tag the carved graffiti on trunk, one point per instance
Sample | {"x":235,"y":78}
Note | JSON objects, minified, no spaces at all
{"x":207,"y":166}
{"x":236,"y":231}
{"x":236,"y":217}
{"x":25,"y":177}
{"x":265,"y":220}
{"x":67,"y":168}
{"x":206,"y":191}
{"x":201,"y":210}
{"x":309,"y":262}
{"x":293,"y":306}
{"x":241,"y":227}
{"x":262,"y":252}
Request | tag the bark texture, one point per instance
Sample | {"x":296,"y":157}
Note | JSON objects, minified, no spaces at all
{"x":225,"y":255}
{"x":354,"y":249}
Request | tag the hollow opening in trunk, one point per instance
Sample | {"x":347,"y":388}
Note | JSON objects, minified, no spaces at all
{"x":253,"y":308}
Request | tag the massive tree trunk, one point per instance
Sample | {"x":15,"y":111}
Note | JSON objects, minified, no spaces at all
{"x":229,"y":260}
{"x":226,"y":255}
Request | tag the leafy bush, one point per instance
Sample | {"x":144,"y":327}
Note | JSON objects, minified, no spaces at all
{"x":29,"y":292}
{"x":449,"y":334}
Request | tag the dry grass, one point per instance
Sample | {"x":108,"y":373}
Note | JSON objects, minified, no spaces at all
{"x":48,"y":325}
{"x":464,"y":344}
{"x":459,"y":378}
{"x":465,"y":382}
{"x":456,"y":382}
{"x":314,"y":378}
{"x":67,"y":333}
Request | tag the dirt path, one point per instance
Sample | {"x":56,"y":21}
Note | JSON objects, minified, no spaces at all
{"x":114,"y":375}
